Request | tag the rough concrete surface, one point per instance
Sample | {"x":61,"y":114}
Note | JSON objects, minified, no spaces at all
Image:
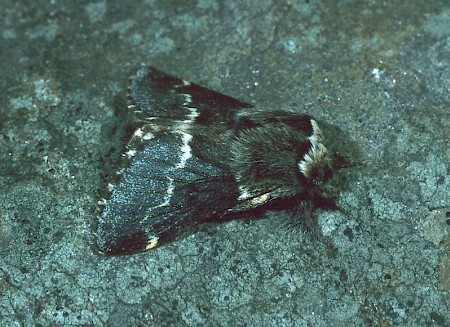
{"x":380,"y":71}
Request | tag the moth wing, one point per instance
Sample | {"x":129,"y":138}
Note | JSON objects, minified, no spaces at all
{"x":174,"y":172}
{"x":153,"y":93}
{"x":158,"y":197}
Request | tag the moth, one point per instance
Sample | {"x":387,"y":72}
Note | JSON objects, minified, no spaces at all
{"x":196,"y":155}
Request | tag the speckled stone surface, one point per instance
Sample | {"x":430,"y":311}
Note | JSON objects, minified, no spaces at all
{"x":378,"y":70}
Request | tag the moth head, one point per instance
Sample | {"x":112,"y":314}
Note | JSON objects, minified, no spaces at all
{"x":316,"y":164}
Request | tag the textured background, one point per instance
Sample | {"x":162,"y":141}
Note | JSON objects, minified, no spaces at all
{"x":378,"y":70}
